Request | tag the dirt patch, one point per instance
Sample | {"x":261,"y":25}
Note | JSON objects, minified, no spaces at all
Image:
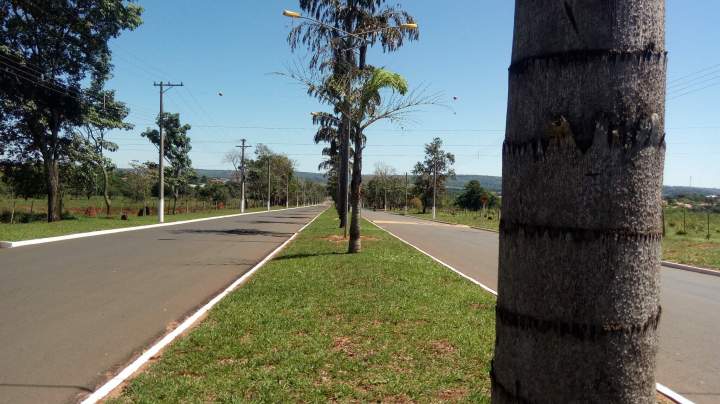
{"x":442,"y":347}
{"x":338,"y":239}
{"x":453,"y":394}
{"x":398,"y":398}
{"x":344,"y":345}
{"x":480,"y":306}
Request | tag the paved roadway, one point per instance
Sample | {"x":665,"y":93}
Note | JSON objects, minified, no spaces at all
{"x":689,"y":358}
{"x":72,"y":312}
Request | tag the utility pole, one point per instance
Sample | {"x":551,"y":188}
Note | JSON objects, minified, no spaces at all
{"x":406,"y":193}
{"x":287,"y":192}
{"x":268,"y":201}
{"x":434,"y":187}
{"x":242,"y":174}
{"x":164,"y":87}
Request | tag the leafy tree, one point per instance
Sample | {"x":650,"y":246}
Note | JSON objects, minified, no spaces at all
{"x":24,"y":180}
{"x":140,"y":179}
{"x":281,"y":169}
{"x":101,"y":114}
{"x":474,"y":197}
{"x":177,"y":153}
{"x":579,"y":264}
{"x":432,"y":173}
{"x":47,"y":52}
{"x":217,"y":193}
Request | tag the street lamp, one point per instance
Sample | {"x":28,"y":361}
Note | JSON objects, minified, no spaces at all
{"x":296,"y":15}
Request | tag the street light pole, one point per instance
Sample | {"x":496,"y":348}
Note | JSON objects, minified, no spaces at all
{"x":287,"y":192}
{"x":161,"y":202}
{"x":406,"y":193}
{"x":242,"y":174}
{"x":434,"y":187}
{"x":268,"y":196}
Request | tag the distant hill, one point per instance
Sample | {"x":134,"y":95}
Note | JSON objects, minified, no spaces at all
{"x":489,"y":182}
{"x":316,"y":177}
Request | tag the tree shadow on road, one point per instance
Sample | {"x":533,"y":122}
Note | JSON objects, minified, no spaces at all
{"x":233,"y":232}
{"x":274,"y":222}
{"x":46,"y":386}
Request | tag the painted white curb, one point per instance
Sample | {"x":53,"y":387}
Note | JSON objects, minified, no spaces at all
{"x":124,"y":374}
{"x":23,"y":243}
{"x":662,"y":389}
{"x":691,"y":268}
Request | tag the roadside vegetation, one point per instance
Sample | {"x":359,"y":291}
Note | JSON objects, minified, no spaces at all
{"x":317,"y":325}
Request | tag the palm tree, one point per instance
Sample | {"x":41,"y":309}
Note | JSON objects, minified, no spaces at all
{"x":578,"y":303}
{"x":368,"y":108}
{"x":371,"y":20}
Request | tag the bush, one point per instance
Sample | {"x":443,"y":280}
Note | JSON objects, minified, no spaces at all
{"x":681,"y":233}
{"x":30,"y":217}
{"x":5,"y":216}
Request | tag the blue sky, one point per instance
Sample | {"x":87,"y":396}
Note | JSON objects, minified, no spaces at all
{"x":464,"y":50}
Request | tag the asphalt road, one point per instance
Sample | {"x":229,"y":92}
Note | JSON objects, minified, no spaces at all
{"x":73,"y":312}
{"x":689,"y":357}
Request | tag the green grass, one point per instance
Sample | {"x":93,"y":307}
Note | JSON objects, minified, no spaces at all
{"x":82,"y":224}
{"x":686,"y":244}
{"x":489,"y":221}
{"x":686,"y":241}
{"x":318,"y":325}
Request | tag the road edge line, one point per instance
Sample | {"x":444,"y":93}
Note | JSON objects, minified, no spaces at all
{"x":662,"y":389}
{"x":690,"y":268}
{"x":448,"y":266}
{"x":45,"y":240}
{"x":105,"y":389}
{"x":669,"y":264}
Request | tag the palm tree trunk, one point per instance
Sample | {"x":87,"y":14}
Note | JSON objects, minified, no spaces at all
{"x":344,"y":170}
{"x":580,"y":233}
{"x":354,"y":245}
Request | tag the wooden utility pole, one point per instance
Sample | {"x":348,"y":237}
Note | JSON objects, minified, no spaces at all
{"x":269,"y":186}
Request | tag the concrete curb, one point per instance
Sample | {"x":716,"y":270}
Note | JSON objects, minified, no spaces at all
{"x":691,"y":268}
{"x":660,"y":388}
{"x":23,"y":243}
{"x":157,"y":347}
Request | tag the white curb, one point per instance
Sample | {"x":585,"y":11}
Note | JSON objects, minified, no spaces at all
{"x":124,"y":374}
{"x":23,"y":243}
{"x":690,"y":268}
{"x":662,"y":389}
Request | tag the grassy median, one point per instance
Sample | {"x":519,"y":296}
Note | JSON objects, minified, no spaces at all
{"x":315,"y":324}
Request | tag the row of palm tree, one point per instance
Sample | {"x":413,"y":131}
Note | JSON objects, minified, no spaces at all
{"x":338,"y":34}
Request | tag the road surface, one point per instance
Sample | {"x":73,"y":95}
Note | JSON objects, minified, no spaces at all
{"x":73,"y":312}
{"x":689,"y":357}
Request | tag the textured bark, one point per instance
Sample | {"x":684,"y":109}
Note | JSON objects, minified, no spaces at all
{"x":580,"y":233}
{"x":52,"y":180}
{"x":344,"y":170}
{"x":106,"y":185}
{"x":354,"y":245}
